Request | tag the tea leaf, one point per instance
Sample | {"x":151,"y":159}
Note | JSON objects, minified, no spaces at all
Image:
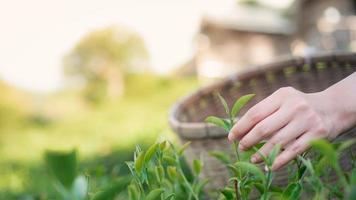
{"x":272,"y":156}
{"x":159,"y":171}
{"x":169,"y":160}
{"x":172,"y":172}
{"x":234,"y":170}
{"x":63,"y":166}
{"x":221,"y":156}
{"x":228,"y":193}
{"x":253,"y":169}
{"x":223,"y":102}
{"x":183,"y":148}
{"x":218,"y":122}
{"x":150,"y":152}
{"x":139,"y":162}
{"x":292,"y":191}
{"x":154,"y":194}
{"x":133,"y":192}
{"x":171,"y":196}
{"x":241,"y":102}
{"x":113,"y":189}
{"x":163,"y":145}
{"x":326,"y":149}
{"x":197,"y":165}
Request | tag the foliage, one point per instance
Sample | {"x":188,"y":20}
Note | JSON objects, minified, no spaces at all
{"x":247,"y":178}
{"x":103,"y":57}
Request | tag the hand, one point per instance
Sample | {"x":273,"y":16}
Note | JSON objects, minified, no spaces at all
{"x":292,"y":119}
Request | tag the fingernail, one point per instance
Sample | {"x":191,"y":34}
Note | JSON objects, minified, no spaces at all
{"x":230,"y":137}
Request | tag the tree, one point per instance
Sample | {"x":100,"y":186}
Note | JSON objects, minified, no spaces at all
{"x":103,"y":57}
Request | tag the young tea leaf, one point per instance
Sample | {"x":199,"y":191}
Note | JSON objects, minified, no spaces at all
{"x":241,"y":102}
{"x":134,"y":193}
{"x":224,"y":103}
{"x":154,"y":194}
{"x":292,"y":192}
{"x":326,"y":149}
{"x":183,"y":148}
{"x":197,"y":165}
{"x":218,"y":122}
{"x":251,"y":168}
{"x":272,"y":156}
{"x":150,"y":152}
{"x":139,"y":162}
{"x":228,"y":193}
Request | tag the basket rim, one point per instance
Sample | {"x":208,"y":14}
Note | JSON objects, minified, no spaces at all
{"x":202,"y":128}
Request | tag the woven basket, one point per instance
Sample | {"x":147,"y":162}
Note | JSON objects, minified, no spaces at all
{"x":309,"y":74}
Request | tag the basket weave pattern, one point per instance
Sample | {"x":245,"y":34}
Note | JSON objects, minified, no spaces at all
{"x":309,"y":74}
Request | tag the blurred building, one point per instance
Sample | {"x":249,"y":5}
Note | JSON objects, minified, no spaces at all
{"x":252,"y":34}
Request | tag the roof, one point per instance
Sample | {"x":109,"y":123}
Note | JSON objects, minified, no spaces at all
{"x":253,"y":19}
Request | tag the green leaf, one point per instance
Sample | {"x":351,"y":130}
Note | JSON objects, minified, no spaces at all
{"x":218,"y":122}
{"x":292,"y":192}
{"x":273,"y":154}
{"x":228,"y":193}
{"x":197,"y":165}
{"x":241,"y":102}
{"x":114,"y":188}
{"x":233,"y":169}
{"x":172,"y":172}
{"x":63,"y":166}
{"x":163,"y":145}
{"x":159,"y":171}
{"x":139,"y":162}
{"x":221,"y":156}
{"x":134,"y":193}
{"x":251,"y":168}
{"x":154,"y":194}
{"x":183,"y":148}
{"x":171,"y":196}
{"x":169,"y":160}
{"x":326,"y":149}
{"x":150,"y":152}
{"x":223,"y":102}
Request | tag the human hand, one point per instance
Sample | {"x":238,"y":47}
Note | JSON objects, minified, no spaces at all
{"x":292,"y":119}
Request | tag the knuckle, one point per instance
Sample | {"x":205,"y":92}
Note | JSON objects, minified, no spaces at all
{"x":285,"y":90}
{"x":301,"y":106}
{"x":261,"y":130}
{"x":321,"y":130}
{"x":254,"y":117}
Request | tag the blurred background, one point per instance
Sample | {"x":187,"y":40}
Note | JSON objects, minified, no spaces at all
{"x":100,"y":76}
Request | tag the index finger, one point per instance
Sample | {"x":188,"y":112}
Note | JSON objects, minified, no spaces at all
{"x":254,"y":115}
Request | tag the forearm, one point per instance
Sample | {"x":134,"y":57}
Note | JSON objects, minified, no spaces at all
{"x":342,"y":103}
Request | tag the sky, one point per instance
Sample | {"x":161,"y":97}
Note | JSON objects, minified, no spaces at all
{"x":36,"y":34}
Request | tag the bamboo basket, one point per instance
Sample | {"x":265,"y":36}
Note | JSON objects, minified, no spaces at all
{"x":308,"y":74}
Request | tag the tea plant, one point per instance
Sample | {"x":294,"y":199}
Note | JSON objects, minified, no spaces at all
{"x":245,"y":175}
{"x":158,"y":173}
{"x":161,"y":172}
{"x":248,"y":178}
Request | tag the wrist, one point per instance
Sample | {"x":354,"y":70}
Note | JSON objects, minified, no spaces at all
{"x":340,"y":108}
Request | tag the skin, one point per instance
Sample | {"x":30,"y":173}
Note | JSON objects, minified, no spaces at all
{"x":292,"y":119}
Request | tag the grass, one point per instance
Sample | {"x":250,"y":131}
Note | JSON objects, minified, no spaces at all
{"x":104,"y":135}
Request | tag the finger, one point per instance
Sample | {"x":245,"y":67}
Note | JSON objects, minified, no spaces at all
{"x":254,"y":115}
{"x":266,"y":128}
{"x":284,"y":137}
{"x":296,"y":148}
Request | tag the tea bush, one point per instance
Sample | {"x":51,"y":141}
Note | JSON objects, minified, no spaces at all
{"x":160,"y":173}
